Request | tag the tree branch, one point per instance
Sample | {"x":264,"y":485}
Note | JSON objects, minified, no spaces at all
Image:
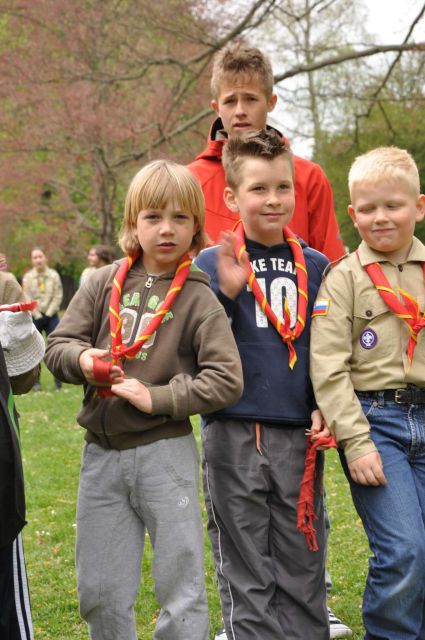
{"x":394,"y":62}
{"x":345,"y":57}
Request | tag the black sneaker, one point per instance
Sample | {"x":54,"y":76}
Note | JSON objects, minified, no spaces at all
{"x":58,"y":384}
{"x":37,"y":386}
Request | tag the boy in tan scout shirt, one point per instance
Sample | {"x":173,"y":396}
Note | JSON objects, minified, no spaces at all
{"x":368,"y":373}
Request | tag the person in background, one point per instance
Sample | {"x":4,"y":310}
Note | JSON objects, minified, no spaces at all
{"x":21,"y":349}
{"x":10,"y":289}
{"x":242,"y":97}
{"x":98,"y":256}
{"x":43,"y":285}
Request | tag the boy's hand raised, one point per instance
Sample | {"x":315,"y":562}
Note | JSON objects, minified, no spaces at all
{"x":86,"y":364}
{"x":135,"y":392}
{"x":368,"y":470}
{"x":231,"y":275}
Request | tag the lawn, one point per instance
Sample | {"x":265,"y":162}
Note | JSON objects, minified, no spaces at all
{"x":51,"y":443}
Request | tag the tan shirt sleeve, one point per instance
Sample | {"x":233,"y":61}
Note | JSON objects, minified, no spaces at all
{"x":10,"y":289}
{"x":331,"y":351}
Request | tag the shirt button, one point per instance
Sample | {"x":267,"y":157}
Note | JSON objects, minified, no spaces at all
{"x":368,"y":313}
{"x":400,"y":267}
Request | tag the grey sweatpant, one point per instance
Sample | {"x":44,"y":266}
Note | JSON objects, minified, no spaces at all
{"x":271,"y":586}
{"x":121,"y":494}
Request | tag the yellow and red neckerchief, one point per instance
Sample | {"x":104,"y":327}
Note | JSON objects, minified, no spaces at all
{"x":118,"y":351}
{"x":283,"y":327}
{"x":409,"y":311}
{"x":101,"y":368}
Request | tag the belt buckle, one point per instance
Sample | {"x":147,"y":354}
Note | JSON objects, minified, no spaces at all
{"x":397,"y":396}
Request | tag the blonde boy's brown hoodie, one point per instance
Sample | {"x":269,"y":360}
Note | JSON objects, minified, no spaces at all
{"x":191,"y":364}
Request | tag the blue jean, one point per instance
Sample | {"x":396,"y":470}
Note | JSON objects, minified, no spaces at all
{"x":394,"y":520}
{"x":47,"y":324}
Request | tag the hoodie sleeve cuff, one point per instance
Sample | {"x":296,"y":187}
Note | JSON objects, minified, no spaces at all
{"x":162,"y":400}
{"x":71,"y":366}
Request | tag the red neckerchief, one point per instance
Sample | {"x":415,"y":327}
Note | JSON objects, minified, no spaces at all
{"x":305,"y":506}
{"x":283,"y":327}
{"x":118,"y":351}
{"x":409,"y":311}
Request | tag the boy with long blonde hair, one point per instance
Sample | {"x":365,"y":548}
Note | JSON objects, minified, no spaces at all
{"x":152,"y":346}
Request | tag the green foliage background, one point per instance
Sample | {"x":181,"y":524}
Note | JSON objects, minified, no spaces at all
{"x":337,"y":152}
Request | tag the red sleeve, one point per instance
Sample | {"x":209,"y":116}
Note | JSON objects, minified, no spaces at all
{"x":314,"y":187}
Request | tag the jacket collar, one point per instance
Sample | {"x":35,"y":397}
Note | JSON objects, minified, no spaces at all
{"x":217,"y":138}
{"x":368,"y":255}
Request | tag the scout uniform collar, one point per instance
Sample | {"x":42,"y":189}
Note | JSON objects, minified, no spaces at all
{"x":282,"y":326}
{"x":367,"y":255}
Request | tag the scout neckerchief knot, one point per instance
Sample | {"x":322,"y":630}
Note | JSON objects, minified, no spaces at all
{"x":118,"y":350}
{"x":409,"y":311}
{"x":283,"y":327}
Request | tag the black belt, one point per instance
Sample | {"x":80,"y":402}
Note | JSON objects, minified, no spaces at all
{"x":410,"y":395}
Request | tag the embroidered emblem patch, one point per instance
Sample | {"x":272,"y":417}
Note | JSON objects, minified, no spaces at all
{"x":368,"y":338}
{"x":321,"y":307}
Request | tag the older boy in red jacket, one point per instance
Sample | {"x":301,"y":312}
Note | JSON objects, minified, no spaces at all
{"x":242,"y":90}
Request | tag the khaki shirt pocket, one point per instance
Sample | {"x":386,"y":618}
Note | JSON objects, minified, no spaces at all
{"x":373,"y":329}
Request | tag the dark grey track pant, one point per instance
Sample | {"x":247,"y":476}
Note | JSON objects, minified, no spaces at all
{"x":271,"y":586}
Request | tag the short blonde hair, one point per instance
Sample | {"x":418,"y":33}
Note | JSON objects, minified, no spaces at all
{"x":265,"y":144}
{"x":153,"y":187}
{"x":385,"y":164}
{"x":239,"y":60}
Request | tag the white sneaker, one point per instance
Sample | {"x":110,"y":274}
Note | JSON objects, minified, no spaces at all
{"x":337,"y":627}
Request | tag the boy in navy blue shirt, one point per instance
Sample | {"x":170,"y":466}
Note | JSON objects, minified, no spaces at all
{"x":271,"y":586}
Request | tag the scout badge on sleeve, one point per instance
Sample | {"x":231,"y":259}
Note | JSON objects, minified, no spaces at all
{"x":283,"y":327}
{"x":101,"y":368}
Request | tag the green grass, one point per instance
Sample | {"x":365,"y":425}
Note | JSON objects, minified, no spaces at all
{"x":52,"y":443}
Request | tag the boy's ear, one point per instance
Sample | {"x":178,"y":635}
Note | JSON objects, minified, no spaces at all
{"x":214,"y":105}
{"x":352,"y":214}
{"x":230,"y":200}
{"x":272,"y":102}
{"x":420,"y":208}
